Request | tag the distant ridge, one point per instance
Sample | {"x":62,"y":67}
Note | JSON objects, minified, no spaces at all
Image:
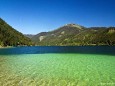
{"x":67,"y":35}
{"x":29,"y":35}
{"x":76,"y":35}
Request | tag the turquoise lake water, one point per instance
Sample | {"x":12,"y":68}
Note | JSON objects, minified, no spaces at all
{"x":28,"y":67}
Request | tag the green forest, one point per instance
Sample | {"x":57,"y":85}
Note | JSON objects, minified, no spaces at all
{"x":67,"y":35}
{"x":76,"y":35}
{"x":11,"y":37}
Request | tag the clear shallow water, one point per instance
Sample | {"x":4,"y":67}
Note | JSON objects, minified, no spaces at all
{"x":57,"y":69}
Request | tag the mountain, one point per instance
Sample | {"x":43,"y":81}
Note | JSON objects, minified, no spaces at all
{"x":73,"y":34}
{"x":11,"y":37}
{"x":29,"y":35}
{"x":67,"y":35}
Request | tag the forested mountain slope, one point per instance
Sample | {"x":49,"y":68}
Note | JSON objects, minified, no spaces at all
{"x":11,"y":37}
{"x":72,"y":34}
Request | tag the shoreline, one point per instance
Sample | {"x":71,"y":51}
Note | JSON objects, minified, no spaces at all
{"x":52,"y":45}
{"x":6,"y":47}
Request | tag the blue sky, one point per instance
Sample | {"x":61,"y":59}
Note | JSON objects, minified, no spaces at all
{"x":34,"y":16}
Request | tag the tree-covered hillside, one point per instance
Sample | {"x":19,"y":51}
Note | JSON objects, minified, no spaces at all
{"x":10,"y":37}
{"x":72,"y":34}
{"x":67,"y":35}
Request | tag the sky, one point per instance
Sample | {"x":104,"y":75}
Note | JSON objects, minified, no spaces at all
{"x":35,"y":16}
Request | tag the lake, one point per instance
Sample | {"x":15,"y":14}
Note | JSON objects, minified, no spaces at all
{"x":57,"y":66}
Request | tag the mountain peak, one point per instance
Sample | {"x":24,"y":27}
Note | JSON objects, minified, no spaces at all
{"x":74,"y":25}
{"x":70,"y":24}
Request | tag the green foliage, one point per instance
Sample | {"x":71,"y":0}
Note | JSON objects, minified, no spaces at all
{"x":68,"y":35}
{"x":10,"y":37}
{"x":71,"y":35}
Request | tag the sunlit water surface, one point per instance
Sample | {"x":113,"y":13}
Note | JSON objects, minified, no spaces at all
{"x":57,"y":69}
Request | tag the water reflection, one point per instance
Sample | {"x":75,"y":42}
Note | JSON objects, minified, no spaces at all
{"x":108,"y":50}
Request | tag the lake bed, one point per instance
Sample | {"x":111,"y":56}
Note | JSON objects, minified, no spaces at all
{"x":57,"y":69}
